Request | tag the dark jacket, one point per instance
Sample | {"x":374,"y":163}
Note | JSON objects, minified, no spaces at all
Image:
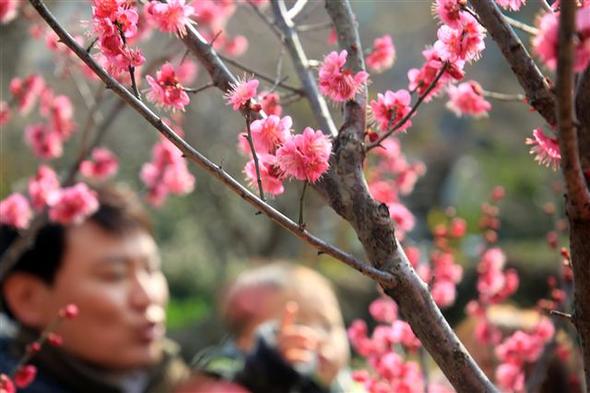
{"x":58,"y":372}
{"x":263,"y":370}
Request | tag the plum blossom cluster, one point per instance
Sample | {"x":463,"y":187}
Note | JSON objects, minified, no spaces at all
{"x":103,"y":165}
{"x":390,"y":371}
{"x":282,"y":155}
{"x":69,"y":205}
{"x":391,"y":176}
{"x":545,"y":149}
{"x":545,"y":42}
{"x":389,"y":109}
{"x":167,"y":173}
{"x":45,"y":138}
{"x":25,"y":374}
{"x":467,"y":99}
{"x":337,"y":82}
{"x":495,"y":283}
{"x":115,"y":22}
{"x":519,"y":350}
{"x":382,"y":55}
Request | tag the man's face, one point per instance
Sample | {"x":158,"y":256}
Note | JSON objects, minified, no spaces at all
{"x":117,"y":284}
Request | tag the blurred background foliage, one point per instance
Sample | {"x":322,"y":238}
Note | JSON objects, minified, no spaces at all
{"x":209,"y":236}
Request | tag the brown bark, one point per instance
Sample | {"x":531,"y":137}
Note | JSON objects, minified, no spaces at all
{"x":529,"y":76}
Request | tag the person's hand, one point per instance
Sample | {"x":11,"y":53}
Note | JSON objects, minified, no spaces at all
{"x":296,"y":343}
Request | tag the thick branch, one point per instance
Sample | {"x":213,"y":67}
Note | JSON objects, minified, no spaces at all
{"x":578,"y":198}
{"x":577,"y":192}
{"x":211,"y":168}
{"x":295,"y":48}
{"x":583,"y":117}
{"x":348,"y":38}
{"x":526,"y":71}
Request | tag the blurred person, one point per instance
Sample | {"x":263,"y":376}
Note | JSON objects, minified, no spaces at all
{"x":287,"y":333}
{"x":109,"y":267}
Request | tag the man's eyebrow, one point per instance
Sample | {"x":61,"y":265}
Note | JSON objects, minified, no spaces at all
{"x":113,"y":259}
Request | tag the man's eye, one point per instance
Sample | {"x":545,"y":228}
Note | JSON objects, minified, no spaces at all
{"x":113,"y":275}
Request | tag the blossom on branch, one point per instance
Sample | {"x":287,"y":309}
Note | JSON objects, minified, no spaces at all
{"x":467,"y":98}
{"x":339,"y":83}
{"x":271,"y":174}
{"x":166,"y":90}
{"x":241,"y":93}
{"x":449,"y":11}
{"x":513,"y":5}
{"x":305,"y":156}
{"x":43,"y":187}
{"x":390,"y":108}
{"x":27,"y":91}
{"x":46,"y":143}
{"x":421,"y":79}
{"x":72,"y":205}
{"x":462,"y":43}
{"x":270,"y":133}
{"x":171,"y":16}
{"x":8,"y":10}
{"x":382,"y":55}
{"x":15,"y":211}
{"x":103,"y":165}
{"x":545,"y":149}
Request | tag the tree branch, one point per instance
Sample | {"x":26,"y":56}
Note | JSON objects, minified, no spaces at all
{"x":293,"y":44}
{"x":583,"y":117}
{"x":577,"y":192}
{"x":526,"y":71}
{"x":214,"y":170}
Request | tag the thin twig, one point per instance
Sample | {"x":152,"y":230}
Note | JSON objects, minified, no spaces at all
{"x":503,"y":96}
{"x":566,"y":316}
{"x":199,"y":89}
{"x":301,"y":198}
{"x":314,"y":27}
{"x":214,"y":170}
{"x":261,"y":75}
{"x":407,"y":117}
{"x":299,"y":58}
{"x":91,"y":45}
{"x":521,"y":25}
{"x":534,"y":83}
{"x":254,"y":156}
{"x":296,"y":9}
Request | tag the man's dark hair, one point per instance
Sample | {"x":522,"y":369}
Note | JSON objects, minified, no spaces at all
{"x":120,"y":211}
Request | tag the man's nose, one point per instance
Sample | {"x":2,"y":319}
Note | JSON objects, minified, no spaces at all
{"x":141,"y":291}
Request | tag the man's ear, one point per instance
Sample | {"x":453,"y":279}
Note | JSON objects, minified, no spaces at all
{"x":25,"y":296}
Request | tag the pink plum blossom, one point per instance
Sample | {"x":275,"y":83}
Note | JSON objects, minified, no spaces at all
{"x":467,"y":98}
{"x":421,"y":79}
{"x":449,"y":12}
{"x":383,"y":309}
{"x":545,"y":149}
{"x":43,"y":187}
{"x":102,"y":166}
{"x":402,"y":217}
{"x":270,"y":133}
{"x":545,"y":42}
{"x":462,"y":43}
{"x":166,"y":173}
{"x":336,"y":82}
{"x":271,"y":103}
{"x":382,"y":56}
{"x":8,"y":10}
{"x":166,"y":90}
{"x":305,"y":156}
{"x":15,"y":211}
{"x":4,"y":113}
{"x":513,"y":5}
{"x":26,"y":91}
{"x":241,"y":93}
{"x":45,"y":143}
{"x":73,"y":205}
{"x":171,"y":16}
{"x":270,"y":174}
{"x":390,"y":108}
